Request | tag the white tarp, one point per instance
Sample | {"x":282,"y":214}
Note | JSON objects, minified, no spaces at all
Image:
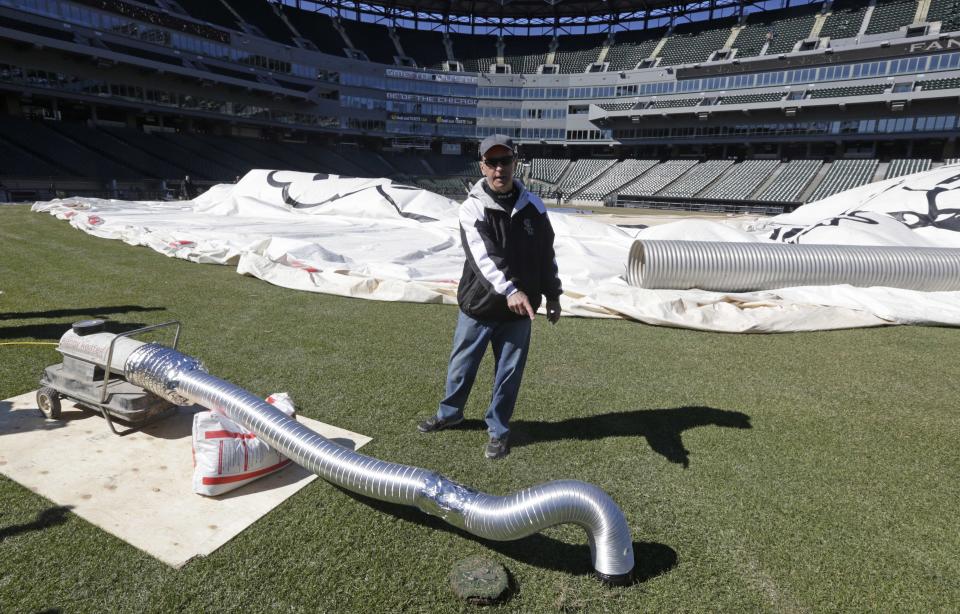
{"x":374,"y":239}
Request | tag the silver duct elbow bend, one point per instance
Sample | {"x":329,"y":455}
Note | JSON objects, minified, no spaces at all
{"x":183,"y":380}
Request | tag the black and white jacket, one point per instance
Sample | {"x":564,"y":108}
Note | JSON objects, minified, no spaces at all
{"x":505,"y":252}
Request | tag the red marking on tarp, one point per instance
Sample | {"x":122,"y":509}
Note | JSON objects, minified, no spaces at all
{"x":247,"y":476}
{"x":94,"y":220}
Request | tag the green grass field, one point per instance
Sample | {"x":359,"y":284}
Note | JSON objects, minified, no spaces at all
{"x":786,"y":473}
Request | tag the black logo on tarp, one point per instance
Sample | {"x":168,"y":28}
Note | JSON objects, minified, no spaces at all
{"x":296,"y":204}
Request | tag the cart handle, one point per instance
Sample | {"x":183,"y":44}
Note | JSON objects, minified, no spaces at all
{"x":106,"y":373}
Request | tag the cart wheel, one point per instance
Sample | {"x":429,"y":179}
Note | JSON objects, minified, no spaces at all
{"x":48,"y":400}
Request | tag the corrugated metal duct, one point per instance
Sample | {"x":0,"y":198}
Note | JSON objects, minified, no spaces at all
{"x":183,"y":380}
{"x":742,"y":267}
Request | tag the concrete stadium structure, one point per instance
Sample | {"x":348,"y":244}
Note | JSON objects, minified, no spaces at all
{"x":725,"y":103}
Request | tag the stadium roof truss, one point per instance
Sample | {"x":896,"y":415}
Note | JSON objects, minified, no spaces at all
{"x":521,"y":16}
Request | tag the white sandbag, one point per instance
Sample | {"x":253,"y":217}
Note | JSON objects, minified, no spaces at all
{"x":226,"y":456}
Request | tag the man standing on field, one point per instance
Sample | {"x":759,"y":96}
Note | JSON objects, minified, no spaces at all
{"x":510,"y":266}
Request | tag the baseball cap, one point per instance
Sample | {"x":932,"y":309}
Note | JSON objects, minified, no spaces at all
{"x":496,"y":139}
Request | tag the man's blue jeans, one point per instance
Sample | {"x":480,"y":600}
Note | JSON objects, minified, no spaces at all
{"x":510,"y":341}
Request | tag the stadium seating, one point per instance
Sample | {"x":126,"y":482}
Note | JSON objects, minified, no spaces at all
{"x":741,"y":180}
{"x":405,"y":164}
{"x":696,"y":179}
{"x":843,"y":175}
{"x":475,"y":52}
{"x":425,"y":47}
{"x":901,"y":167}
{"x":616,"y":106}
{"x":615,"y":177}
{"x":213,"y":12}
{"x":781,"y":28}
{"x":845,"y":19}
{"x":576,"y":53}
{"x":198,"y":167}
{"x":261,"y":16}
{"x":74,"y":157}
{"x":462,"y":166}
{"x":672,"y":103}
{"x":318,"y":29}
{"x":794,"y":177}
{"x":841,"y":92}
{"x":631,"y":46}
{"x":657,"y":178}
{"x":581,"y":173}
{"x":891,"y":15}
{"x":525,"y":53}
{"x":547,"y":169}
{"x":371,"y":163}
{"x":939,"y":84}
{"x":695,"y":42}
{"x":752,"y":98}
{"x":372,"y":39}
{"x":18,"y":162}
{"x":947,"y":12}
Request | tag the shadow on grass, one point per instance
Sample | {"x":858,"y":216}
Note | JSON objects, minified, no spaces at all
{"x":85,"y":312}
{"x":652,"y":558}
{"x":662,"y":428}
{"x":55,"y":331}
{"x":47,"y":518}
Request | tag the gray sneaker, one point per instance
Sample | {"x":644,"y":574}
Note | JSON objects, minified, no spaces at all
{"x":497,"y":448}
{"x":434,"y":423}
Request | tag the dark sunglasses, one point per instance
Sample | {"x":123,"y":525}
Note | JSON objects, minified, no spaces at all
{"x":495,"y":162}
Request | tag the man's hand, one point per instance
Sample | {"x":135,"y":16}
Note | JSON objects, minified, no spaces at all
{"x":553,"y":311}
{"x":519,"y":304}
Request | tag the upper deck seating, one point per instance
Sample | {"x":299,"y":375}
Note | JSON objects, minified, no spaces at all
{"x":525,"y":53}
{"x":632,"y":46}
{"x":845,"y":19}
{"x":947,"y":12}
{"x":695,"y":42}
{"x":477,"y":53}
{"x":372,"y":39}
{"x":782,"y":29}
{"x":575,"y":53}
{"x":425,"y":47}
{"x":213,"y":12}
{"x":891,"y":15}
{"x":318,"y":28}
{"x":261,"y":15}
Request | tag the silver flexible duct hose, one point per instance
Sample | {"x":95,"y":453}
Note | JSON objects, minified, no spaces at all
{"x":741,"y":267}
{"x":183,"y":380}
